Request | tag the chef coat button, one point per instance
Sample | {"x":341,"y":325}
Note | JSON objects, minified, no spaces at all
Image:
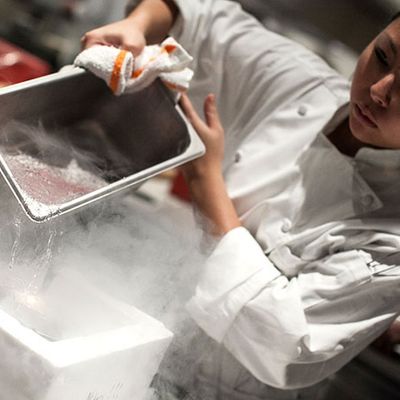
{"x":367,"y":200}
{"x":238,"y":156}
{"x":302,"y":111}
{"x":286,"y":225}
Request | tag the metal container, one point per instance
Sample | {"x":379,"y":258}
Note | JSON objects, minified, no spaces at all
{"x":67,"y":141}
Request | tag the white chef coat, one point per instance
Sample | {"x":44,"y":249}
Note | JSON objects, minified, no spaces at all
{"x":312,"y":278}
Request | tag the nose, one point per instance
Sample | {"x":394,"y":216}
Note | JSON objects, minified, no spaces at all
{"x":381,"y":91}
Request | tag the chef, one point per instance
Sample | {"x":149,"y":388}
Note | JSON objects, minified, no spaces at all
{"x":300,"y":184}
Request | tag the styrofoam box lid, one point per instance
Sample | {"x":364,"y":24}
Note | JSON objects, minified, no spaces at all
{"x":130,"y":327}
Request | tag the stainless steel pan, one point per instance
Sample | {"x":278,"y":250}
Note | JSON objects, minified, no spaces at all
{"x":54,"y":126}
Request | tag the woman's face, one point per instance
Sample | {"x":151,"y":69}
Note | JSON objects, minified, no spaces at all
{"x":375,"y":91}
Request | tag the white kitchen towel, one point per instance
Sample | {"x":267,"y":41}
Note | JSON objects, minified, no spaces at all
{"x":124,"y":73}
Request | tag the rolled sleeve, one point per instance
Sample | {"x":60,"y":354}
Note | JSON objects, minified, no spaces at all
{"x":193,"y":24}
{"x":235,"y":273}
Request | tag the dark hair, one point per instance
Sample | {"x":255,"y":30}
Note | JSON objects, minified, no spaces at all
{"x":395,"y":16}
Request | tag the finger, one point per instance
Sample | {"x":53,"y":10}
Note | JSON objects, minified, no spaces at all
{"x":191,"y":113}
{"x":84,"y":40}
{"x":211,"y":112}
{"x":89,"y":41}
{"x":134,"y":48}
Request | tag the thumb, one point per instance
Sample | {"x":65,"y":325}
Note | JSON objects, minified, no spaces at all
{"x":191,"y":113}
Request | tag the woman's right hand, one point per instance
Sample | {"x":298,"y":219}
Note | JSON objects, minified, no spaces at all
{"x":148,"y":23}
{"x":124,"y":34}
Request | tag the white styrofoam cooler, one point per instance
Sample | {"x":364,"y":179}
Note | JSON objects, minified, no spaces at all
{"x":77,"y":343}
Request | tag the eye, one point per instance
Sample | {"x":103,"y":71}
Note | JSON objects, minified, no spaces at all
{"x":381,"y":56}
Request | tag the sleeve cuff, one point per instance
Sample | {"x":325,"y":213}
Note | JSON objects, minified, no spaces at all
{"x":235,"y":273}
{"x":180,"y":30}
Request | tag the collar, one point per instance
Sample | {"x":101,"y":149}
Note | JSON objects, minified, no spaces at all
{"x":383,"y":158}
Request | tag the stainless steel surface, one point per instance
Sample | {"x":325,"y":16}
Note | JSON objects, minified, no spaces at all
{"x":72,"y":116}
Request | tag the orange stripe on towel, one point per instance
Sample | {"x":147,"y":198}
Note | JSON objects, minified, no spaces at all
{"x":175,"y":87}
{"x":137,"y":72}
{"x":119,"y":61}
{"x":170,"y":48}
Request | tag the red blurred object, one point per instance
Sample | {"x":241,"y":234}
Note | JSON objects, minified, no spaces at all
{"x":180,"y":189}
{"x":17,"y":65}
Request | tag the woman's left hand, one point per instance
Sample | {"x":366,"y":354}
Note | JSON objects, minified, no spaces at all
{"x":211,"y":133}
{"x":204,"y":175}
